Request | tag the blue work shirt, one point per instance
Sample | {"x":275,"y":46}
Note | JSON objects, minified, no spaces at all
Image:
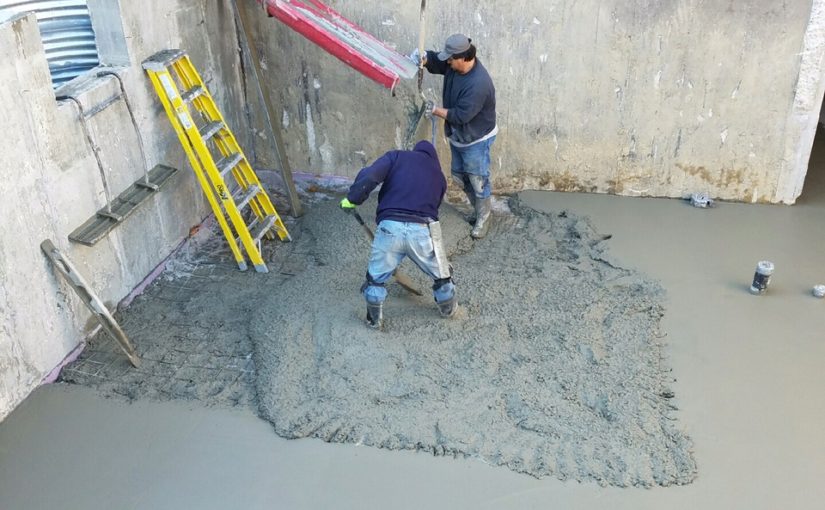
{"x":470,"y":100}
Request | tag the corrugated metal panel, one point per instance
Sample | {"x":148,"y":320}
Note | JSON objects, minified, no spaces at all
{"x":67,"y":34}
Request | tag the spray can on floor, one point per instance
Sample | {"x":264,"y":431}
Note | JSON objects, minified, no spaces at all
{"x":762,"y":277}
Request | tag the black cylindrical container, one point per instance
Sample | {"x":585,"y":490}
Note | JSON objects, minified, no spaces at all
{"x":762,"y":277}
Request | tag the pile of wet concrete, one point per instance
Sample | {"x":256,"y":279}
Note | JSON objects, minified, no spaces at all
{"x":552,"y":367}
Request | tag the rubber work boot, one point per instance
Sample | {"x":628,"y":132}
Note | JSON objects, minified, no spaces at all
{"x":483,"y":213}
{"x":447,"y":308}
{"x":471,"y":196}
{"x":375,"y":316}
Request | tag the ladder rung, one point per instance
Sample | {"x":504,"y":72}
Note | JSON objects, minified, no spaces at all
{"x":175,"y":79}
{"x":102,"y":106}
{"x":244,"y":196}
{"x":209,"y":130}
{"x":192,"y":93}
{"x":228,"y":163}
{"x":258,"y":228}
{"x":163,"y":59}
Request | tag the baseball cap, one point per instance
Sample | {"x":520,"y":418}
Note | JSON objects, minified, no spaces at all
{"x":456,"y":43}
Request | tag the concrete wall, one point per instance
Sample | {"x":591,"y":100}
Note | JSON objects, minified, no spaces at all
{"x":639,"y":97}
{"x":52,"y":182}
{"x":642,"y":97}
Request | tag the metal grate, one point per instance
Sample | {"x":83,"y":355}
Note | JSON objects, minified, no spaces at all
{"x":67,"y":33}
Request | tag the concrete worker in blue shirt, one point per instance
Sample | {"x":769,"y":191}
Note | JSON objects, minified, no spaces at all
{"x":412,"y":188}
{"x":469,"y":112}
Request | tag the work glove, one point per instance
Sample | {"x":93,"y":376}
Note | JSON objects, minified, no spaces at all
{"x":416,"y":57}
{"x":429,"y":106}
{"x":347,"y":206}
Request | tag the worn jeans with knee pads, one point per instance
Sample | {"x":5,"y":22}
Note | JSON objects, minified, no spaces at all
{"x":395,"y":240}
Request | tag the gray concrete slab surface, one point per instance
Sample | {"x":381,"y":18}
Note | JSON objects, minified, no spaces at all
{"x":749,"y":388}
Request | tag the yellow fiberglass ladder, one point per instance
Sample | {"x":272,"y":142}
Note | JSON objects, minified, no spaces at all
{"x":206,"y":137}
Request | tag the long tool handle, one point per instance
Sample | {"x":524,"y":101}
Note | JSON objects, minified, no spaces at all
{"x":401,"y":278}
{"x":295,"y":206}
{"x":421,"y":53}
{"x":363,"y":224}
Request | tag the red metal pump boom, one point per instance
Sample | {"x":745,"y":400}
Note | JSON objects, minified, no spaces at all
{"x":343,"y":39}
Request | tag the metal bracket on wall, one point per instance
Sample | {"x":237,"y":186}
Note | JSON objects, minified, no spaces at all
{"x":96,"y":227}
{"x":116,"y":210}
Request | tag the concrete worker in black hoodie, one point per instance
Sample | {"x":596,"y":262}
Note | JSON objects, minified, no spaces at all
{"x":412,"y":188}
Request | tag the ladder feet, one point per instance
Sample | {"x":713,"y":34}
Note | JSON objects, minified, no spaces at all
{"x":261,"y":268}
{"x":242,"y":265}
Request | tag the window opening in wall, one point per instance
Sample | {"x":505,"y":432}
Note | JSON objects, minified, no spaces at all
{"x":67,"y":33}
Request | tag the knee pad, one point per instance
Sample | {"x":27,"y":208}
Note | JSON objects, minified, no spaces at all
{"x":373,"y":291}
{"x":443,"y":290}
{"x":444,"y":295}
{"x":370,"y":282}
{"x":440,"y":282}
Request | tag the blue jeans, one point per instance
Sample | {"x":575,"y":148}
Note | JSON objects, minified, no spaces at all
{"x":395,"y":240}
{"x":470,"y":167}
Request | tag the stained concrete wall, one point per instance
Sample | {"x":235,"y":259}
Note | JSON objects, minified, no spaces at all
{"x":52,"y":182}
{"x":639,"y":97}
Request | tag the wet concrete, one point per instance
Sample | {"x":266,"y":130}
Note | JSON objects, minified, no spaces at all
{"x":748,"y":373}
{"x":553,"y":365}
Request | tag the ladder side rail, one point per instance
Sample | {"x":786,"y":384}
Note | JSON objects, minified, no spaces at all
{"x":225,"y":140}
{"x":205,"y":105}
{"x":161,"y":88}
{"x":185,"y":68}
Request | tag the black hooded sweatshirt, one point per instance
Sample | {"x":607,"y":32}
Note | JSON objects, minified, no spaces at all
{"x":413,"y":185}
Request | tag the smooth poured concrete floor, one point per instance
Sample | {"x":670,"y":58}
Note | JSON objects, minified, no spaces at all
{"x":750,"y":385}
